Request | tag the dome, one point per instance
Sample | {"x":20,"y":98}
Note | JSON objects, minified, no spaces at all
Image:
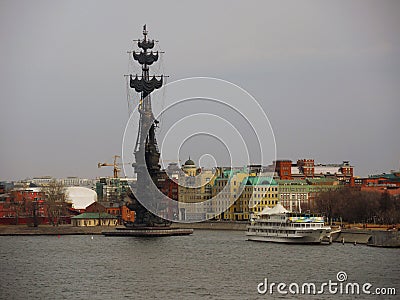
{"x":190,"y":162}
{"x":81,"y":197}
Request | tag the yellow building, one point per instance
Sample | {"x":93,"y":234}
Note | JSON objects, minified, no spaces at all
{"x":256,"y":193}
{"x":94,"y":219}
{"x":236,"y":195}
{"x":195,"y":188}
{"x":264,"y":193}
{"x":189,"y":167}
{"x":226,"y":189}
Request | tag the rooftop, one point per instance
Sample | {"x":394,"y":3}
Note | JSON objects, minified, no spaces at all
{"x":189,"y":162}
{"x":261,"y":180}
{"x":89,"y":215}
{"x":291,"y":181}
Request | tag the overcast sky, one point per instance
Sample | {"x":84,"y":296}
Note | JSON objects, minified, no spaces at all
{"x":326,"y":73}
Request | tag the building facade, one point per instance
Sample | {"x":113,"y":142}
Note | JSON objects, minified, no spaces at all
{"x":94,"y":219}
{"x":194,"y":191}
{"x":306,"y":168}
{"x":259,"y":192}
{"x":293,"y":194}
{"x":226,"y":189}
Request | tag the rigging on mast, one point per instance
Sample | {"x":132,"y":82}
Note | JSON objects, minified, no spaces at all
{"x":149,"y":174}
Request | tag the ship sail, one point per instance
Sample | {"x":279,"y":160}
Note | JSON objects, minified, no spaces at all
{"x":145,"y":44}
{"x":145,"y":85}
{"x":145,"y":58}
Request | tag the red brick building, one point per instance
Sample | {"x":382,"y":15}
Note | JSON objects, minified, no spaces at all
{"x":169,"y":187}
{"x":20,"y":206}
{"x":121,"y":212}
{"x":392,"y":179}
{"x":95,"y":207}
{"x":392,"y":191}
{"x":284,"y":169}
{"x":306,"y":168}
{"x":20,"y":202}
{"x":382,"y":183}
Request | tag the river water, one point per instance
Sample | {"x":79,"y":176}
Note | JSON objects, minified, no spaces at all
{"x":205,"y":265}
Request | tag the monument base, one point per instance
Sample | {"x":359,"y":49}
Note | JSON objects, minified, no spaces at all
{"x":148,"y":231}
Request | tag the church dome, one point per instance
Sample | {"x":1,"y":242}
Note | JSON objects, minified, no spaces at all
{"x":189,"y":162}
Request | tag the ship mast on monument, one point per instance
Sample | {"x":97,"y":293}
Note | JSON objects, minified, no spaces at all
{"x":147,"y":200}
{"x":146,"y":141}
{"x":146,"y":151}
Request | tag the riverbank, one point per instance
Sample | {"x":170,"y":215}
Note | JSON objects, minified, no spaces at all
{"x":377,"y":238}
{"x":381,"y":238}
{"x":96,"y":230}
{"x":50,"y":230}
{"x":213,"y":225}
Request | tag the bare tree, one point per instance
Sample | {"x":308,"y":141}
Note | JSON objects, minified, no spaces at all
{"x":389,"y":209}
{"x":325,"y":203}
{"x":55,"y":195}
{"x":358,"y":206}
{"x":16,"y":206}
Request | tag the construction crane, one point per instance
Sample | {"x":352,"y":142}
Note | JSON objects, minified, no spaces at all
{"x":116,"y":165}
{"x":170,"y":160}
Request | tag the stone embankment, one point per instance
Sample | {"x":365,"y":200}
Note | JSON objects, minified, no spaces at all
{"x":50,"y":230}
{"x":210,"y":225}
{"x":92,"y":230}
{"x":377,"y":238}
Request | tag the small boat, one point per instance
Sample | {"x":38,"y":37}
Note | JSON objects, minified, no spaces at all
{"x":279,"y":225}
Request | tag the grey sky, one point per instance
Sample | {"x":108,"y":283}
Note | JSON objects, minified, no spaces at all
{"x":326,"y":73}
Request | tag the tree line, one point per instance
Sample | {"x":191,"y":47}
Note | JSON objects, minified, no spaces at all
{"x":55,"y":200}
{"x":353,"y":205}
{"x":54,"y":206}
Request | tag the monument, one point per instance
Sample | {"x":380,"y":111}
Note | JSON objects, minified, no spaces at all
{"x":146,"y":200}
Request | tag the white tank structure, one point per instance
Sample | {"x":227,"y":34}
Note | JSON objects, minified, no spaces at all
{"x":80,"y":197}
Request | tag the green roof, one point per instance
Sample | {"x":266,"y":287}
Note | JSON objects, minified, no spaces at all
{"x":390,"y":176}
{"x":94,"y":215}
{"x":319,"y":180}
{"x":231,"y":172}
{"x":291,"y":181}
{"x":259,"y":180}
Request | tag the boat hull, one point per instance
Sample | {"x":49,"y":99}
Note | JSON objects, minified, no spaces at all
{"x":310,"y":237}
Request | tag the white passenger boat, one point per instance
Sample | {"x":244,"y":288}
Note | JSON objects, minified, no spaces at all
{"x":281,"y":226}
